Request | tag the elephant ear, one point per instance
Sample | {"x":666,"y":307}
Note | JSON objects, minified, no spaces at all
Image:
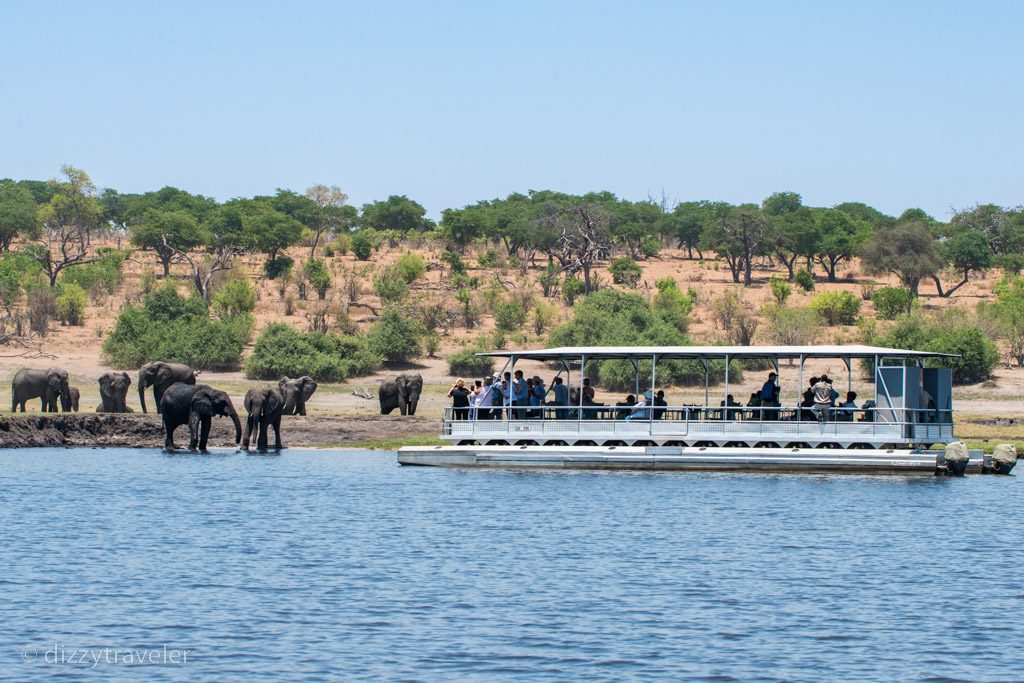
{"x":54,"y":380}
{"x":284,"y":381}
{"x":309,"y":385}
{"x":202,"y":404}
{"x":162,"y":375}
{"x":105,"y":380}
{"x":127,"y":378}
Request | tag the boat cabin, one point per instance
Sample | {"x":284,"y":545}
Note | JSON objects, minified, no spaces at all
{"x":911,"y":405}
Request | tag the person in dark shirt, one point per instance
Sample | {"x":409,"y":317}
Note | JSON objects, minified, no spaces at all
{"x":659,"y":405}
{"x":769,"y":396}
{"x":459,"y":395}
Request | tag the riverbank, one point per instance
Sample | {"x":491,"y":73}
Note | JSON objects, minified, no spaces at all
{"x":145,"y":431}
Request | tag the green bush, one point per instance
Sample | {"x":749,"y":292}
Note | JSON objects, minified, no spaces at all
{"x":672,"y":305}
{"x":16,"y":271}
{"x":390,"y":286}
{"x":397,"y":337}
{"x":315,"y":272}
{"x":948,"y":332}
{"x":650,"y":246}
{"x":326,"y":357}
{"x":100,"y":277}
{"x":174,"y":328}
{"x":278,"y":266}
{"x":411,"y":267}
{"x":455,"y":262}
{"x":804,"y":279}
{"x":234,"y":298}
{"x":362,"y":246}
{"x":488,"y":259}
{"x":837,"y":308}
{"x":791,"y":326}
{"x":70,"y":304}
{"x":466,"y":363}
{"x":625,"y":271}
{"x":509,"y":316}
{"x":1011,"y":263}
{"x":572,"y":287}
{"x":780,"y":290}
{"x":891,"y":302}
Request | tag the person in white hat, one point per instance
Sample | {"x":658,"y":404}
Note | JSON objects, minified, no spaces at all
{"x":642,"y":409}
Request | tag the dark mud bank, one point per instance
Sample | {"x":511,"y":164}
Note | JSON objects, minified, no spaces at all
{"x":146,"y":431}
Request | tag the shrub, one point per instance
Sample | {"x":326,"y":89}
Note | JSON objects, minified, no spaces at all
{"x":278,"y":266}
{"x":315,"y":272}
{"x":543,"y":315}
{"x":780,"y":290}
{"x":837,"y":308}
{"x":625,"y":271}
{"x":949,"y":332}
{"x":735,"y":317}
{"x":1011,"y":263}
{"x":362,"y":246}
{"x":431,"y":343}
{"x":234,"y":298}
{"x":488,"y":259}
{"x":390,"y":286}
{"x":411,"y":267}
{"x":650,"y":246}
{"x":69,"y":304}
{"x":41,"y":307}
{"x":455,"y":262}
{"x":99,"y":278}
{"x":792,"y":326}
{"x":466,"y":363}
{"x":672,"y":305}
{"x":548,"y":281}
{"x":470,"y":310}
{"x":396,"y":337}
{"x":804,"y":279}
{"x":509,"y":316}
{"x":891,"y":302}
{"x":16,"y":271}
{"x":171,"y":327}
{"x":572,"y":287}
{"x":341,"y":244}
{"x":326,"y":357}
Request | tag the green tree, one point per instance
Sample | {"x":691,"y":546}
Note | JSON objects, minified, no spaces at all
{"x":317,"y":276}
{"x":794,"y":231}
{"x":839,"y":238}
{"x":68,"y":220}
{"x":1008,"y":313}
{"x":397,"y":212}
{"x":167,"y":233}
{"x":686,"y":223}
{"x":625,"y":271}
{"x":908,"y":251}
{"x":397,"y":337}
{"x":461,"y":226}
{"x":332,"y":215}
{"x":966,"y":252}
{"x":739,"y":235}
{"x":269,"y":229}
{"x":17,"y":214}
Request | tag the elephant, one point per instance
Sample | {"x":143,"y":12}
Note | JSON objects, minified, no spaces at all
{"x":73,"y":395}
{"x":402,"y":392}
{"x":113,"y":392}
{"x":195,"y":405}
{"x":47,"y":385}
{"x":160,"y":376}
{"x":296,"y":393}
{"x":265,"y":407}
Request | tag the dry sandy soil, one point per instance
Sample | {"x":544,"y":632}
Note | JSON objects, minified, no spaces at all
{"x":353,"y":405}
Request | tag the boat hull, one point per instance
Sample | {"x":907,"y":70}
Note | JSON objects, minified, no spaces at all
{"x":807,"y":460}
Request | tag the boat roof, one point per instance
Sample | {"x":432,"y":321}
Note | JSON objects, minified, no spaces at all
{"x":708,"y":352}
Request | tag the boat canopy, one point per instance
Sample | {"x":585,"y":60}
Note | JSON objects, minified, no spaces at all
{"x":709,"y":352}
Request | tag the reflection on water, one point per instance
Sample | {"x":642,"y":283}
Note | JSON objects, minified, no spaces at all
{"x":345,"y":565}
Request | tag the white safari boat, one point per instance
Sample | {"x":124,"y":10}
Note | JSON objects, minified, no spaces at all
{"x":904,"y":427}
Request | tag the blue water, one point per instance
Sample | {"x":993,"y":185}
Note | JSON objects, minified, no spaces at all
{"x":345,"y":566}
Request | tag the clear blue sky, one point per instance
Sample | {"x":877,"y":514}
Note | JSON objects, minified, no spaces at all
{"x":896,"y":104}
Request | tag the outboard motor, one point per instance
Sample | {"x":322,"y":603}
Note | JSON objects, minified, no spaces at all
{"x":953,"y":463}
{"x":1004,"y":457}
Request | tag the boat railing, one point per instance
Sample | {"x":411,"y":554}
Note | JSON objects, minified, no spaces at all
{"x":890,"y":424}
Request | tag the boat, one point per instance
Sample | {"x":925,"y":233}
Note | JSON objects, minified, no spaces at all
{"x":905,"y":427}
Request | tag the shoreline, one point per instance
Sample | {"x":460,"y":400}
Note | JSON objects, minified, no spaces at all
{"x":134,"y":430}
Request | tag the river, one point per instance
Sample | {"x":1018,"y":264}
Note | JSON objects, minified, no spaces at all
{"x":343,"y":565}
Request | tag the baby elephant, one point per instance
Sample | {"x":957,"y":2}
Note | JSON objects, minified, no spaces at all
{"x":265,"y":407}
{"x":73,"y":395}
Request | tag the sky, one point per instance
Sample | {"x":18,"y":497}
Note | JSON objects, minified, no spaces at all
{"x":896,"y":104}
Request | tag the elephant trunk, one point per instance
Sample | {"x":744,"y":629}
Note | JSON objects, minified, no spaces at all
{"x":238,"y":425}
{"x":413,"y":400}
{"x":142,"y":392}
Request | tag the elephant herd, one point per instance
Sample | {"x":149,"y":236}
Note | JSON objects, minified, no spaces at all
{"x":178,"y":399}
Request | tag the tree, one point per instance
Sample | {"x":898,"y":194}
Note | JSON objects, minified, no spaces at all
{"x":908,"y":251}
{"x":1002,"y":229}
{"x":224,"y":238}
{"x":17,"y":214}
{"x":68,"y":221}
{"x":268,"y":229}
{"x":332,"y":214}
{"x":462,"y":226}
{"x":397,"y":212}
{"x":167,"y":233}
{"x":1008,"y":312}
{"x":583,"y":238}
{"x":966,"y":252}
{"x":838,"y":239}
{"x":686,"y":223}
{"x":794,"y":231}
{"x":633,"y":224}
{"x":737,"y":234}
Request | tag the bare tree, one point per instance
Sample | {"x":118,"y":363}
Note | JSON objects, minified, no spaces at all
{"x":68,"y":221}
{"x":330,"y":212}
{"x":584,"y":238}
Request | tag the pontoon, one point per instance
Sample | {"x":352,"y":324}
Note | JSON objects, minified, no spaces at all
{"x":911,"y":411}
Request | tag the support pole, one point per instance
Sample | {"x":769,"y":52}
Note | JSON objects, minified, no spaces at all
{"x":650,"y":406}
{"x":725,"y":413}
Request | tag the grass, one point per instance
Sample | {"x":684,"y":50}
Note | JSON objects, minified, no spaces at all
{"x":395,"y":443}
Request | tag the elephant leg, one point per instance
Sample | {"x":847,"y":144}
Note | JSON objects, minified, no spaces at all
{"x":169,"y":435}
{"x":247,"y":432}
{"x":204,"y":433}
{"x":402,"y":407}
{"x":157,"y":395}
{"x":277,"y":433}
{"x":261,"y":442}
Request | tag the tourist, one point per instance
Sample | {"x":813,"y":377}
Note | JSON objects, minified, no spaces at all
{"x":537,"y":393}
{"x":588,"y":391}
{"x":846,"y":409}
{"x":824,"y":398}
{"x":485,"y":399}
{"x":769,"y":396}
{"x":560,"y":396}
{"x":520,"y":394}
{"x":730,"y":412}
{"x":660,"y":405}
{"x":642,"y":410}
{"x":459,"y":395}
{"x":806,"y":411}
{"x":625,"y":407}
